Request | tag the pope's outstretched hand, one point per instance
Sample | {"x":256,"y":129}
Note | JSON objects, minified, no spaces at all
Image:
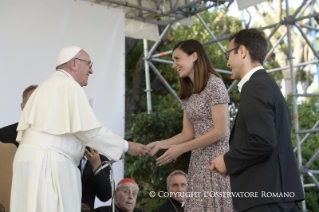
{"x":137,"y":149}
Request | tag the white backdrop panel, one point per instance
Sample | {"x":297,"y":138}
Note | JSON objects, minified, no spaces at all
{"x":31,"y":36}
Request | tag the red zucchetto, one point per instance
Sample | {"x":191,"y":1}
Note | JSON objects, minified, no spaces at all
{"x":127,"y":180}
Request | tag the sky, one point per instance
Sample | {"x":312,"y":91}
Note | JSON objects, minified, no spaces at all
{"x":233,"y":11}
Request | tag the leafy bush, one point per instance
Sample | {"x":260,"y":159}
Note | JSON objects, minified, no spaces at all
{"x":146,"y":128}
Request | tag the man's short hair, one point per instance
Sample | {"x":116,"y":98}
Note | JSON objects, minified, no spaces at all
{"x":176,"y":172}
{"x":26,"y":92}
{"x":254,"y":41}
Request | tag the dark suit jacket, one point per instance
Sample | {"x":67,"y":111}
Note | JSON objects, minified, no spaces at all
{"x":261,"y":157}
{"x":96,"y":185}
{"x":9,"y":133}
{"x":168,"y":207}
{"x":109,"y":209}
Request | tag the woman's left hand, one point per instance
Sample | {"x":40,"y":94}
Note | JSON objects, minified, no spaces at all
{"x":173,"y":151}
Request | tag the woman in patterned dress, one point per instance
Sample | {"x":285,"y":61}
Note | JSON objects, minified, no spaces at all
{"x":205,"y":129}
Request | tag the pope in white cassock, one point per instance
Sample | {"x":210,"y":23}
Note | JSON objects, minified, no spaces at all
{"x":55,"y":126}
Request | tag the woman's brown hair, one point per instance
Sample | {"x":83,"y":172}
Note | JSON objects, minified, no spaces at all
{"x":202,"y":68}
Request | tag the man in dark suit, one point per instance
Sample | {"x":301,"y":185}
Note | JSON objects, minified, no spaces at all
{"x":9,"y":133}
{"x":176,"y":186}
{"x":260,"y":162}
{"x":94,"y":185}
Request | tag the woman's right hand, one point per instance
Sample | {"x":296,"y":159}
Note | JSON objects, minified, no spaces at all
{"x":155,"y":147}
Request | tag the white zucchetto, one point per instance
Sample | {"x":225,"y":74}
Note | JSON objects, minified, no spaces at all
{"x":66,"y":54}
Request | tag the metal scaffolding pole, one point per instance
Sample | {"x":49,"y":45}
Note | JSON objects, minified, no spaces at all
{"x":294,"y":99}
{"x":232,"y":86}
{"x":313,"y":179}
{"x":309,"y":185}
{"x":162,"y":61}
{"x":210,"y":32}
{"x":169,"y":88}
{"x":162,"y":54}
{"x":312,"y":159}
{"x":308,"y":16}
{"x":298,"y":9}
{"x":307,"y":40}
{"x":308,"y":94}
{"x":267,"y":27}
{"x":314,"y":171}
{"x":288,"y":67}
{"x":157,"y":42}
{"x":171,"y":62}
{"x":308,"y":27}
{"x":275,"y":46}
{"x":147,"y":78}
{"x":126,"y":4}
{"x":243,"y":24}
{"x":273,"y":31}
{"x":314,"y":39}
{"x":307,"y":135}
{"x":303,"y":9}
{"x":216,"y":40}
{"x":307,"y":131}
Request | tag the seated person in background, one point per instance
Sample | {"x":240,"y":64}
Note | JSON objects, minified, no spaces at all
{"x":94,"y":185}
{"x":124,"y":197}
{"x":176,"y":185}
{"x":9,"y":133}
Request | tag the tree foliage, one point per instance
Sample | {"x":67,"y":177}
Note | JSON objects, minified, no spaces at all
{"x":146,"y":128}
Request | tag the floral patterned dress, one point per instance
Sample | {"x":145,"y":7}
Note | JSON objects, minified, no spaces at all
{"x":204,"y":187}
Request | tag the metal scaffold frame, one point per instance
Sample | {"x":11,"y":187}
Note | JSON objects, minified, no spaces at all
{"x":289,"y":21}
{"x":161,"y":12}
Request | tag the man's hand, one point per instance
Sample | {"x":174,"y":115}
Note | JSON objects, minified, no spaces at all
{"x":218,"y":165}
{"x":137,"y":149}
{"x":93,"y":157}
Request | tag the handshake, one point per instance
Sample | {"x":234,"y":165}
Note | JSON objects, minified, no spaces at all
{"x":137,"y":149}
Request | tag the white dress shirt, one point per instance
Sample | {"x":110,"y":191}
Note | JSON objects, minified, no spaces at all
{"x":83,"y":163}
{"x":247,"y":77}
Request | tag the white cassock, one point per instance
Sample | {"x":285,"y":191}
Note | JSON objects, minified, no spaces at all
{"x":55,"y":126}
